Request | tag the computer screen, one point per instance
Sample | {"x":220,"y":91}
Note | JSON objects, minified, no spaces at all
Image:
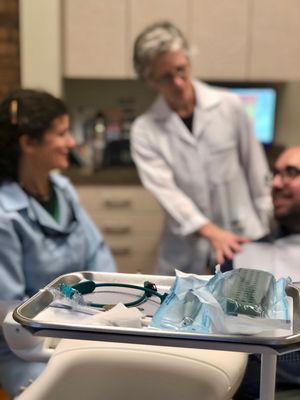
{"x":260,"y":105}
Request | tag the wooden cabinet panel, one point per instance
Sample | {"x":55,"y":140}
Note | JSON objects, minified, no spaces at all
{"x":116,"y":199}
{"x":95,"y":40}
{"x":134,"y":223}
{"x":130,"y":220}
{"x":129,"y":258}
{"x":275,"y":38}
{"x":135,"y":264}
{"x":134,"y":245}
{"x":219,"y":38}
{"x":230,"y":39}
{"x":9,"y":47}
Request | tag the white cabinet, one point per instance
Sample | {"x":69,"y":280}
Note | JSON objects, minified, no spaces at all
{"x":95,"y":38}
{"x":275,"y":40}
{"x":219,"y":38}
{"x":130,"y":220}
{"x":99,"y":36}
{"x":230,"y":39}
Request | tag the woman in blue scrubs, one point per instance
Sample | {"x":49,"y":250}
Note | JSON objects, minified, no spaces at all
{"x":44,"y":232}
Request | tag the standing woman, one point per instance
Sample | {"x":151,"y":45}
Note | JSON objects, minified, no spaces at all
{"x":195,"y":151}
{"x":44,"y":232}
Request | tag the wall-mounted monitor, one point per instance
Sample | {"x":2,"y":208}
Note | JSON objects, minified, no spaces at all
{"x":260,"y":105}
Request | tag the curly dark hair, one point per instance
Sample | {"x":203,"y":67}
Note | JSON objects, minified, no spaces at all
{"x":29,"y":112}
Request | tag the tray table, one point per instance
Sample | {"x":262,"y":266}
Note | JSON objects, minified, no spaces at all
{"x":32,"y":315}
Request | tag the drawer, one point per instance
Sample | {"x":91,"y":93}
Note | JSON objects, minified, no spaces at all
{"x":130,"y":220}
{"x":137,"y":263}
{"x":99,"y":198}
{"x":134,"y":253}
{"x":114,"y":225}
{"x":133,"y":244}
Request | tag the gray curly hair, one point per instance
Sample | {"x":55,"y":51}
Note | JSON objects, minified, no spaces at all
{"x":156,"y":39}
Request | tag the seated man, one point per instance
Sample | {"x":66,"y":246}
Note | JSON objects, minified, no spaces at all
{"x":279,"y":254}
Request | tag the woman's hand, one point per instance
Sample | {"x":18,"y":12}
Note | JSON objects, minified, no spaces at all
{"x":224,"y":243}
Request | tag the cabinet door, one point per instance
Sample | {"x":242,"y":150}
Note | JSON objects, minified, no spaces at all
{"x":275,"y":40}
{"x":130,"y":220}
{"x":219,"y":38}
{"x":95,"y":38}
{"x":145,"y":12}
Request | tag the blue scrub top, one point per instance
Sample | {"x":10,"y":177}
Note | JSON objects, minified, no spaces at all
{"x":35,"y":248}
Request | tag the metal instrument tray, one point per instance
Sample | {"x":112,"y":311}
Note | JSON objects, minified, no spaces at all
{"x":28,"y":315}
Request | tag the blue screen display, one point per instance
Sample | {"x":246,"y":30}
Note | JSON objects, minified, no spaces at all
{"x":260,"y":104}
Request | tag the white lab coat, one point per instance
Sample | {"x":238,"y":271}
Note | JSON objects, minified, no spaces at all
{"x":218,"y":173}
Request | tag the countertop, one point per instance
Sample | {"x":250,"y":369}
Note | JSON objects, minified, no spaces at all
{"x":127,"y":175}
{"x":106,"y":176}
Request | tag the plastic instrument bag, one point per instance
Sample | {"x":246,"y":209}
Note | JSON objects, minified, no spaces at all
{"x":241,"y":301}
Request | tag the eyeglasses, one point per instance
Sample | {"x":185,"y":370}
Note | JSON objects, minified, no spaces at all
{"x":179,"y":72}
{"x":287,"y":174}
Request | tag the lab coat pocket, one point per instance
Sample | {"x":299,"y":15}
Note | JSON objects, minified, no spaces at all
{"x":222,"y":164}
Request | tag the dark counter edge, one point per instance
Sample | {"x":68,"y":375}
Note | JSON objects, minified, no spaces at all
{"x":109,"y":176}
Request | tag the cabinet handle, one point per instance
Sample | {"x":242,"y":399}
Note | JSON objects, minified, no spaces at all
{"x":116,"y":230}
{"x":121,"y":251}
{"x":117,"y":203}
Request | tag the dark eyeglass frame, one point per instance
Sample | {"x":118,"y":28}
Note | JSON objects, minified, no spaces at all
{"x":288,"y":173}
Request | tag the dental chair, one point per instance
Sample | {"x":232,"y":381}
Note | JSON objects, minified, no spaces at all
{"x":81,"y":369}
{"x":90,"y":370}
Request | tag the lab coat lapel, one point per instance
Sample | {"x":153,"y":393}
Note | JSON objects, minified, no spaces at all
{"x":13,"y":198}
{"x":171,"y":122}
{"x":206,"y":99}
{"x":37,"y":211}
{"x":65,"y":210}
{"x":176,"y":126}
{"x":200,"y":121}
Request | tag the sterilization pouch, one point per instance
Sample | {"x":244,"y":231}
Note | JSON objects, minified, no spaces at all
{"x":241,"y":301}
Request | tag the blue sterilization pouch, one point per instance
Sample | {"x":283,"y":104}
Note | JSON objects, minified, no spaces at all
{"x":243,"y":301}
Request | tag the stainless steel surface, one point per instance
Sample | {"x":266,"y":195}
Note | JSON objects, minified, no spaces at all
{"x":27,"y":314}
